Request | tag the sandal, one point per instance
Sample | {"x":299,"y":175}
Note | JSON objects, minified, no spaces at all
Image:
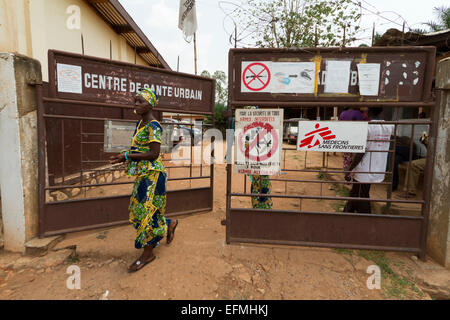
{"x":172,"y":233}
{"x":140,"y":265}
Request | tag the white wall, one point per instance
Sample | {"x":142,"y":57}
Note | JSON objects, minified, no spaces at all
{"x":10,"y":159}
{"x":32,"y":27}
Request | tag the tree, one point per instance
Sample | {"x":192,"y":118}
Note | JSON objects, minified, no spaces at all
{"x":377,"y":37}
{"x":221,"y":85}
{"x":443,"y":23}
{"x":220,"y":121}
{"x":298,"y":23}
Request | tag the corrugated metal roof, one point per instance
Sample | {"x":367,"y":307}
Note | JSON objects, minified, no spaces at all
{"x":121,"y":22}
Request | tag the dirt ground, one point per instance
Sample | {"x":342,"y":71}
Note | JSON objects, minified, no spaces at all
{"x":198,"y":264}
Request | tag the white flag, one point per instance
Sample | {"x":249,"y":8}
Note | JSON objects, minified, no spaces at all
{"x":188,"y":17}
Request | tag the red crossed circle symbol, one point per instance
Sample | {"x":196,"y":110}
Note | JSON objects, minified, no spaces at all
{"x":267,"y":128}
{"x":255,"y":76}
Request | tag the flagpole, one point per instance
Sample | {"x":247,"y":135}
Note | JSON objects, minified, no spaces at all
{"x":195,"y":53}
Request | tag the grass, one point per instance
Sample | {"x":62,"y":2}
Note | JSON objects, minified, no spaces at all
{"x":320,"y":175}
{"x":73,"y":258}
{"x":393,"y":286}
{"x":343,"y":251}
{"x":340,"y":191}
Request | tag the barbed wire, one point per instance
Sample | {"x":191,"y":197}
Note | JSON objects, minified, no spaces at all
{"x":378,"y":13}
{"x":246,"y":32}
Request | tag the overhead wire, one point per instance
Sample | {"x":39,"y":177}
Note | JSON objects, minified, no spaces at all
{"x":378,"y":13}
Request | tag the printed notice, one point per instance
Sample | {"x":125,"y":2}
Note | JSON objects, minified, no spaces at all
{"x":338,"y":76}
{"x":293,"y":77}
{"x":69,"y":78}
{"x":369,"y":78}
{"x":259,"y":140}
{"x":332,"y":136}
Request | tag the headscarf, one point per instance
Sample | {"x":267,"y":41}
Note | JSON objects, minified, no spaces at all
{"x":149,"y":95}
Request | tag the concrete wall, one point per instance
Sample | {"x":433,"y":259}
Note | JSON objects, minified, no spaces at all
{"x":18,"y":142}
{"x":439,"y":228}
{"x":32,"y":27}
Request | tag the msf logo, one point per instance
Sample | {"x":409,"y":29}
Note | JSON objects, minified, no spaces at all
{"x":313,"y":138}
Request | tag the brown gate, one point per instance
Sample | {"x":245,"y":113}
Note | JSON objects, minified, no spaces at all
{"x":78,"y":188}
{"x":304,"y":184}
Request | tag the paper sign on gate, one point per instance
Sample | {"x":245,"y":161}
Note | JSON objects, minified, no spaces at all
{"x":258,"y":141}
{"x":69,"y":78}
{"x":332,"y":136}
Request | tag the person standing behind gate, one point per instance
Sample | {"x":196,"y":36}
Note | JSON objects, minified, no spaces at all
{"x":349,"y":114}
{"x":148,"y":200}
{"x":417,"y":168}
{"x":369,"y":162}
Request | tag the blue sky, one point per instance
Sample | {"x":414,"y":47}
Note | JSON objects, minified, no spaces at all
{"x":159,"y":21}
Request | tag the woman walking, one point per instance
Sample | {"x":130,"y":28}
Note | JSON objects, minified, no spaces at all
{"x":148,"y":200}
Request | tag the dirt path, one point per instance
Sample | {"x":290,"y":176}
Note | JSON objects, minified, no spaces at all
{"x":199,"y":265}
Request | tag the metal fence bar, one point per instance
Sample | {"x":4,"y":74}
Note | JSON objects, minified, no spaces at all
{"x":115,"y":183}
{"x":81,"y":157}
{"x":390,"y":177}
{"x":63,"y":163}
{"x":327,"y":181}
{"x":408,"y":170}
{"x":325,"y":198}
{"x":334,"y":171}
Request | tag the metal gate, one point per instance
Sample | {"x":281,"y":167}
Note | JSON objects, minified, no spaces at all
{"x":78,"y":188}
{"x":323,"y":227}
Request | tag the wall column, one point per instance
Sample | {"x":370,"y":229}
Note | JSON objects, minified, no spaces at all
{"x":438,"y":242}
{"x":18,"y":146}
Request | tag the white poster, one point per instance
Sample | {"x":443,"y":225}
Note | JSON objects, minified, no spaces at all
{"x":332,"y":136}
{"x":256,"y":76}
{"x":338,"y":76}
{"x":293,"y":77}
{"x":69,"y":78}
{"x":369,"y":78}
{"x":258,"y":141}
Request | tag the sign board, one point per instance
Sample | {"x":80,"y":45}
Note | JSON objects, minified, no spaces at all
{"x":258,"y":141}
{"x":77,"y":77}
{"x":118,"y":136}
{"x":265,"y":76}
{"x":278,"y":77}
{"x":332,"y":136}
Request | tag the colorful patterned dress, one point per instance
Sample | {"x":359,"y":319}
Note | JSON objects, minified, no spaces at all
{"x":148,"y":200}
{"x":261,"y":184}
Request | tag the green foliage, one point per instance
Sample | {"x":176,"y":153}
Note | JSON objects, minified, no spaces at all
{"x":393,"y":285}
{"x":341,"y":191}
{"x":377,"y":37}
{"x":299,"y":23}
{"x":443,"y":23}
{"x":220,"y":120}
{"x":221,"y":85}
